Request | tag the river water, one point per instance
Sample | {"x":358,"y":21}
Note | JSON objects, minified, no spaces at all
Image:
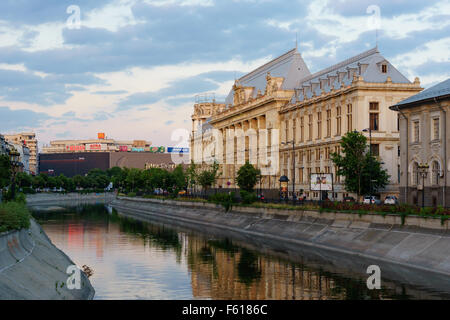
{"x":132,"y":259}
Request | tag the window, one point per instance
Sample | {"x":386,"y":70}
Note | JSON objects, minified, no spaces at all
{"x":374,"y":121}
{"x":286,"y":128}
{"x":327,"y":153}
{"x":319,"y":125}
{"x":398,"y":151}
{"x":416,"y":131}
{"x":309,"y":174}
{"x":328,"y":123}
{"x":436,"y":129}
{"x":317,"y":154}
{"x":436,"y":172}
{"x":309,"y":155}
{"x":300,"y":175}
{"x":294,"y":129}
{"x":302,"y":129}
{"x":317,"y":169}
{"x":375,"y":150}
{"x":349,"y":118}
{"x":398,"y":173}
{"x":310,"y":127}
{"x":373,"y":116}
{"x":415,"y":174}
{"x":338,"y":121}
{"x":336,"y":176}
{"x":384,"y":68}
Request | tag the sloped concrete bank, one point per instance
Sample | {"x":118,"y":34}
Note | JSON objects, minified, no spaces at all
{"x":31,"y":267}
{"x":421,"y":245}
{"x":53,"y":201}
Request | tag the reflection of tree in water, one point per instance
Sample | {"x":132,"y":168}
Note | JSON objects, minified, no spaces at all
{"x":248,"y":267}
{"x":224,"y":245}
{"x":92,"y":212}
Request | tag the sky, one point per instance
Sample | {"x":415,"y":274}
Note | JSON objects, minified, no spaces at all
{"x":132,"y":68}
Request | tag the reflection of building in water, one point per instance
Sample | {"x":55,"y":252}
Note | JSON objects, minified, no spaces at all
{"x":218,"y":274}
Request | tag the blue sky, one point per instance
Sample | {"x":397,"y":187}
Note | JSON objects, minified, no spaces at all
{"x":133,"y":67}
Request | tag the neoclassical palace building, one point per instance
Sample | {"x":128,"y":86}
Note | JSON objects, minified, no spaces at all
{"x":281,"y":112}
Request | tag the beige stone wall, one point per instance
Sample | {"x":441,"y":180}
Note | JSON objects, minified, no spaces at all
{"x":429,"y":149}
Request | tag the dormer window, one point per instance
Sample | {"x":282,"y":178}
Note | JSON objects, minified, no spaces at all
{"x":384,"y":68}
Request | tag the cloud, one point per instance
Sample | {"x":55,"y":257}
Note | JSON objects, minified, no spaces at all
{"x":21,"y":119}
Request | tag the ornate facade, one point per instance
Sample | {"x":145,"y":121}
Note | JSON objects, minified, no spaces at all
{"x":425,"y":141}
{"x":281,"y":109}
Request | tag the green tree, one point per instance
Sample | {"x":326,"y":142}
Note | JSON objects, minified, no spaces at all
{"x":180,"y":178}
{"x":192,"y":175}
{"x":247,"y":177}
{"x":358,"y":167}
{"x":208,"y":177}
{"x":5,"y":171}
{"x":78,"y":181}
{"x":23,"y":180}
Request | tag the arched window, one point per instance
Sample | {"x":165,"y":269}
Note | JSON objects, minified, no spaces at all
{"x":415,"y":173}
{"x":435,"y":173}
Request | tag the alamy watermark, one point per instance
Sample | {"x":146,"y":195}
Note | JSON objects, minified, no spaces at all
{"x":74,"y":20}
{"x":374,"y":280}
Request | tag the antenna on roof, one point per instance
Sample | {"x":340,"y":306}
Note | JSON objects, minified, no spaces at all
{"x":296,"y":40}
{"x":376,"y":38}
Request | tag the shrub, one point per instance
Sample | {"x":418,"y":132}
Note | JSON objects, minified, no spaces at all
{"x":131,"y":194}
{"x":14,"y":216}
{"x":224,"y":199}
{"x":248,"y":197}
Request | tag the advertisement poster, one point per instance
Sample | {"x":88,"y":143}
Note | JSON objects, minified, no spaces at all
{"x":96,"y":147}
{"x":177,"y":150}
{"x":321,"y":182}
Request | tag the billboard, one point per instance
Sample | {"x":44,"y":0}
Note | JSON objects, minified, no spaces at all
{"x":101,"y":136}
{"x":75,"y":148}
{"x":123,"y":148}
{"x":177,"y":150}
{"x":157,"y":149}
{"x":134,"y":149}
{"x":95,"y":146}
{"x":321,"y":182}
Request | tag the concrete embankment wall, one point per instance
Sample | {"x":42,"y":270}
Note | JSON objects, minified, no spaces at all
{"x":31,"y":267}
{"x":47,"y":200}
{"x":421,"y":244}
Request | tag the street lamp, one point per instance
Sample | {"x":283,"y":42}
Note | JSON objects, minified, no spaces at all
{"x":14,"y":157}
{"x":284,"y":186}
{"x":423,"y":171}
{"x":293,"y":166}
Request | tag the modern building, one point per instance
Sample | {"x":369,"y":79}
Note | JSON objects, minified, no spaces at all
{"x":281,"y":111}
{"x":80,"y":163}
{"x":29,"y":140}
{"x":101,"y":144}
{"x":4,"y":149}
{"x":425,"y":146}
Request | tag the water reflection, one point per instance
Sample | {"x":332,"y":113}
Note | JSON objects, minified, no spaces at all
{"x":139,"y":260}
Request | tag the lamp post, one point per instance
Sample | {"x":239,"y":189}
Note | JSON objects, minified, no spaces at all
{"x":370,"y":154}
{"x":293,"y":166}
{"x":423,"y":171}
{"x":14,"y":160}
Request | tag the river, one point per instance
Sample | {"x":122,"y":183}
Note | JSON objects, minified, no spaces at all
{"x":133,"y":259}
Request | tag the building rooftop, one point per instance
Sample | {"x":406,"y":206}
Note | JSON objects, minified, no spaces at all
{"x":290,"y":66}
{"x":439,"y":90}
{"x":367,"y":64}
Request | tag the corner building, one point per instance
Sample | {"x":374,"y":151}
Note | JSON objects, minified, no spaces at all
{"x":283,"y":102}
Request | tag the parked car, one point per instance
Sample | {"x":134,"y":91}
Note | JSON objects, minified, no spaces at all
{"x":371,"y":200}
{"x":391,"y":200}
{"x":349,"y":199}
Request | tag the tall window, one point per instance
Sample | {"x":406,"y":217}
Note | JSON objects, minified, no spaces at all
{"x":337,"y":178}
{"x":310,"y":127}
{"x":436,"y":173}
{"x":300,"y":175}
{"x":415,"y":174}
{"x":317,"y":154}
{"x":375,"y":150}
{"x":286,"y":129}
{"x":338,"y":121}
{"x":349,"y":118}
{"x":374,"y":119}
{"x":328,"y":123}
{"x":416,"y":130}
{"x":436,"y":129}
{"x":294,"y":129}
{"x":319,"y":125}
{"x":384,"y":68}
{"x":302,"y":129}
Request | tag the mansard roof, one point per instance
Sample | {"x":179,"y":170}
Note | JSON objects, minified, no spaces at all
{"x":290,"y":66}
{"x":367,"y":64}
{"x":440,"y":90}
